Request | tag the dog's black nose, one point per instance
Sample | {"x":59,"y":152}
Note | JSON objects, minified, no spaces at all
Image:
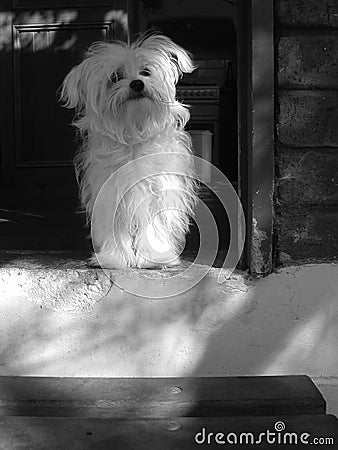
{"x":137,"y":85}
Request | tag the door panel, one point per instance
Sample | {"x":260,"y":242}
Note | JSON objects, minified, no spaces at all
{"x":43,"y":40}
{"x":44,"y":54}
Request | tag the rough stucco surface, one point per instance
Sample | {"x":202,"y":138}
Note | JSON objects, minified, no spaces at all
{"x":285,"y":323}
{"x":307,"y":12}
{"x":308,"y":61}
{"x":309,"y":234}
{"x":308,"y":119}
{"x":306,"y":186}
{"x":318,"y":187}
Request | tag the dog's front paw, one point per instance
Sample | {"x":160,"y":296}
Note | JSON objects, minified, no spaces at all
{"x":160,"y":265}
{"x":106,"y":261}
{"x":156,"y":260}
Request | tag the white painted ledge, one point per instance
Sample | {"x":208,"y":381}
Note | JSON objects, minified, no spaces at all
{"x":283,"y":324}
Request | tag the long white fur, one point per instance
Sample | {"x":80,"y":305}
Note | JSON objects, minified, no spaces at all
{"x":135,"y":210}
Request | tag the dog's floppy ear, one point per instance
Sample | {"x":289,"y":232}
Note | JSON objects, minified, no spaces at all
{"x":181,"y":58}
{"x":164,"y":46}
{"x":73,"y":88}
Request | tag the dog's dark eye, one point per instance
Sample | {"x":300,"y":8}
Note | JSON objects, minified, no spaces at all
{"x":116,"y":76}
{"x":145,"y":73}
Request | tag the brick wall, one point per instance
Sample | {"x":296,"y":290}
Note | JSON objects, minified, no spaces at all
{"x":306,"y":33}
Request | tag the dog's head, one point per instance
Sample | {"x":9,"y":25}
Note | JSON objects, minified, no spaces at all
{"x":128,"y":90}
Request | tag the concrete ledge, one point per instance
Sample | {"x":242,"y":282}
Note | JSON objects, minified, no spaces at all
{"x":68,"y":320}
{"x":63,"y":280}
{"x":53,"y":279}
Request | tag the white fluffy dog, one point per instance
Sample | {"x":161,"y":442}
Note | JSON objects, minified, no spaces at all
{"x":133,"y":135}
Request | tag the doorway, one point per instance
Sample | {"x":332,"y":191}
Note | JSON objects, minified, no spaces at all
{"x":207,"y":30}
{"x":41,"y":41}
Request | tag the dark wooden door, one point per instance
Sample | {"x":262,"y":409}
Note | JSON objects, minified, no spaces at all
{"x":40,"y":41}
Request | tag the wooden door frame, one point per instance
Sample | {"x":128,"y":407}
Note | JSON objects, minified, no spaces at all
{"x":256,"y":132}
{"x":256,"y":128}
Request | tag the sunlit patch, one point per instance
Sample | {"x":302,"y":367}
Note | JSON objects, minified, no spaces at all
{"x":156,"y":239}
{"x":119,"y":16}
{"x":154,"y":245}
{"x":6,"y":30}
{"x":30,"y":35}
{"x":68,"y":44}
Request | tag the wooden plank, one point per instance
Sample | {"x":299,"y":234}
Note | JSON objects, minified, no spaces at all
{"x":40,"y":433}
{"x":159,"y":397}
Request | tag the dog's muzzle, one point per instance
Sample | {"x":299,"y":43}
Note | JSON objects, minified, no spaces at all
{"x":137,"y":85}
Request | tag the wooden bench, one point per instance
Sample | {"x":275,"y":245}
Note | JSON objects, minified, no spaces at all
{"x":161,"y":413}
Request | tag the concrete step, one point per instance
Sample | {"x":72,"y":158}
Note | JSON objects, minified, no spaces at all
{"x":61,"y":279}
{"x":59,"y":317}
{"x":51,"y":278}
